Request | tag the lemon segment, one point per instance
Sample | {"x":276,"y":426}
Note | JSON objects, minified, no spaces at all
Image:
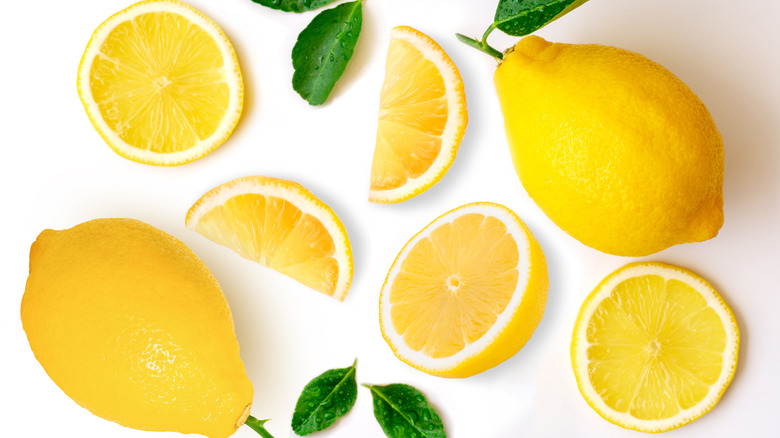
{"x":465,"y":293}
{"x":161,"y":83}
{"x":281,"y":225}
{"x":654,"y":347}
{"x":422,"y":118}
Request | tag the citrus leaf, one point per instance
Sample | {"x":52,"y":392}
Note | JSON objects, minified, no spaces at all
{"x":403,"y":412}
{"x":294,"y":5}
{"x":323,"y":50}
{"x":521,"y":17}
{"x":324,"y":400}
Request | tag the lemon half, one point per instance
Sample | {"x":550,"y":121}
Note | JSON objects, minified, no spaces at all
{"x":465,"y":293}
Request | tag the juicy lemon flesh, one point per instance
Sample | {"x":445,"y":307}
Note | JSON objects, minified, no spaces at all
{"x":412,"y":116}
{"x":275,"y":233}
{"x":451,"y":286}
{"x":656,"y":356}
{"x":159,"y":82}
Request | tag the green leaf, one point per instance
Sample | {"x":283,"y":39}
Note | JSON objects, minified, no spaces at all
{"x":521,"y":17}
{"x":325,"y":399}
{"x":294,"y":5}
{"x":403,"y":412}
{"x":323,"y":50}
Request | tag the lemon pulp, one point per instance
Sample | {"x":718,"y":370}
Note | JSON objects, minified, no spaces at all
{"x":280,"y":225}
{"x":422,"y":118}
{"x":654,"y":347}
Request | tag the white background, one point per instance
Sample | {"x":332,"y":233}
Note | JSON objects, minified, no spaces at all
{"x":57,"y":172}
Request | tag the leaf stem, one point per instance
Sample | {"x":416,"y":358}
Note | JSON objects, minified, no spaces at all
{"x":490,"y":29}
{"x":257,"y":426}
{"x":482,"y":46}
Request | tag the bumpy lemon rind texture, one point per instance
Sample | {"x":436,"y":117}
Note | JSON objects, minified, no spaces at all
{"x":103,"y":297}
{"x":626,"y":105}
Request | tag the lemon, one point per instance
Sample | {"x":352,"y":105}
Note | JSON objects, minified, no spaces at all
{"x":131,"y":325}
{"x":465,"y":293}
{"x":654,"y":347}
{"x":422,"y":118}
{"x":161,"y":83}
{"x":614,"y":148}
{"x":281,"y":225}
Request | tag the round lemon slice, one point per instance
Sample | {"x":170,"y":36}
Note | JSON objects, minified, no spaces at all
{"x":465,"y":293}
{"x":161,"y":83}
{"x":281,"y":225}
{"x":422,"y":118}
{"x":654,"y":347}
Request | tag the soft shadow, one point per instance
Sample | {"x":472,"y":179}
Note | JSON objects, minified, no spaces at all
{"x":744,"y":114}
{"x":364,"y":52}
{"x":249,"y":304}
{"x":250,"y":87}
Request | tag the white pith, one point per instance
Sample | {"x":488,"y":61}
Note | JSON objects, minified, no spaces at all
{"x":231,"y":70}
{"x":429,"y":363}
{"x":580,"y":347}
{"x":296,"y":195}
{"x":449,"y":142}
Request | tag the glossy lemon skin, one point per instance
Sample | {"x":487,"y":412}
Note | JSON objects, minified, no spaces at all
{"x":131,"y":325}
{"x":614,"y":148}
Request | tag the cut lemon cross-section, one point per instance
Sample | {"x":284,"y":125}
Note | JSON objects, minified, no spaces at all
{"x":281,"y":225}
{"x":654,"y":347}
{"x":161,"y":83}
{"x":422,"y":118}
{"x":465,"y":293}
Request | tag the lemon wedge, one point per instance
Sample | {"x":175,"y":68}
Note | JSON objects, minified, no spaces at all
{"x":422,"y":118}
{"x":281,"y":225}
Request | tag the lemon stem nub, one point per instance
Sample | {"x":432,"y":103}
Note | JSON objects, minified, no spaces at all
{"x":257,"y":426}
{"x":482,"y":45}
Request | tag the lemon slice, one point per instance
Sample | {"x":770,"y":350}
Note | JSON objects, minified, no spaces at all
{"x":281,"y":225}
{"x":654,"y":347}
{"x":465,"y":293}
{"x":422,"y":118}
{"x":161,"y":83}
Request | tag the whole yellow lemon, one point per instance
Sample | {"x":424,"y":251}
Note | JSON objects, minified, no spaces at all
{"x":614,"y":148}
{"x":130,"y":324}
